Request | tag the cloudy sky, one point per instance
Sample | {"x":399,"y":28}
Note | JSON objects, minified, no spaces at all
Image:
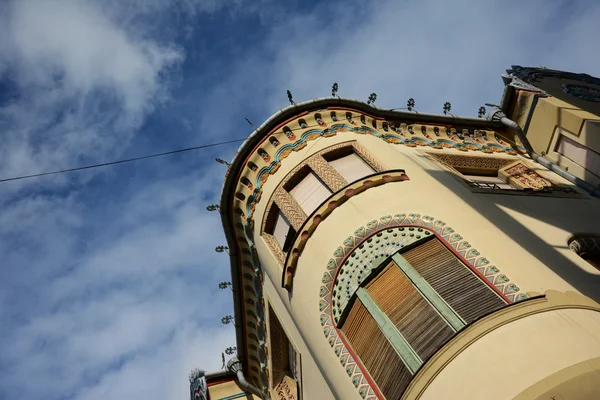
{"x":108,"y":277}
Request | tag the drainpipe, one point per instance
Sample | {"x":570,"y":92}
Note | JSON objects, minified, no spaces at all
{"x":497,"y":115}
{"x":235,"y":365}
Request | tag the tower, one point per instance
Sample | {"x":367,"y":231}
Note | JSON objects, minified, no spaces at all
{"x":381,"y":254}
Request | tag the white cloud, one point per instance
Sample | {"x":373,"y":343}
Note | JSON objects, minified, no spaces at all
{"x":141,"y":301}
{"x":434,"y":51}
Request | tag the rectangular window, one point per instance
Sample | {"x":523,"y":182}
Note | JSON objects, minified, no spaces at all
{"x":485,"y":178}
{"x":284,"y":357}
{"x":352,"y":167}
{"x":310,"y":192}
{"x":579,"y":154}
{"x":281,"y":230}
{"x":278,"y":226}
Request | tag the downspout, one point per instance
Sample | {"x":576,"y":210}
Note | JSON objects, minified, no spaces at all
{"x":497,"y":115}
{"x":235,"y":365}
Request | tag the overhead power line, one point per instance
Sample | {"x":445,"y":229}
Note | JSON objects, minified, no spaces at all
{"x":120,"y":161}
{"x":141,"y":158}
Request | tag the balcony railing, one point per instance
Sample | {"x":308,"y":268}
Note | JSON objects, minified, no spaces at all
{"x":492,"y":186}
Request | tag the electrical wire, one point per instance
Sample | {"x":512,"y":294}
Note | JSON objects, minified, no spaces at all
{"x":152,"y":156}
{"x":120,"y":161}
{"x":62,"y":171}
{"x":133,"y":159}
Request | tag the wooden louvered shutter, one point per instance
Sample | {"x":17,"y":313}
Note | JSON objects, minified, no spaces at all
{"x":310,"y":193}
{"x":278,"y":347}
{"x":351,"y":167}
{"x":468,"y":295}
{"x":418,"y":322}
{"x":376,"y":353}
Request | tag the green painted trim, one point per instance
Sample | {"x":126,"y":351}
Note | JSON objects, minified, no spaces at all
{"x":455,"y":321}
{"x":410,"y":358}
{"x":235,"y":396}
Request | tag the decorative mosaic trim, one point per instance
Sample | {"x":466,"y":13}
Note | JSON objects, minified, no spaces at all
{"x":289,"y":207}
{"x":274,"y":247}
{"x":287,"y":389}
{"x":327,"y":173}
{"x":348,"y":247}
{"x":367,"y":257}
{"x":526,"y":177}
{"x":453,"y":161}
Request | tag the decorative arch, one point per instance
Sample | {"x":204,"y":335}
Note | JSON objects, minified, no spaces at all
{"x":423,"y":225}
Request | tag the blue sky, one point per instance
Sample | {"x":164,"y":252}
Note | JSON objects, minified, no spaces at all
{"x":108,"y":277}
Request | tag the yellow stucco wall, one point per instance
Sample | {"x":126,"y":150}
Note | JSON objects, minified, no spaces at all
{"x":509,"y":359}
{"x":229,"y":390}
{"x":526,"y":237}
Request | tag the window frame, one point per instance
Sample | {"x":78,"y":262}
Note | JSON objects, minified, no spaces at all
{"x":454,"y":162}
{"x":290,"y":363}
{"x":343,"y":152}
{"x":327,"y":174}
{"x":299,"y":178}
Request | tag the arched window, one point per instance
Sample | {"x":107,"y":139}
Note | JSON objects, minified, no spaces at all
{"x":274,"y":141}
{"x":588,"y":248}
{"x":333,"y":116}
{"x":401,"y":299}
{"x":302,"y":124}
{"x":349,"y":117}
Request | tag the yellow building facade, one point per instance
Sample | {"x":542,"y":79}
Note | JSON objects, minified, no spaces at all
{"x":396,"y":255}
